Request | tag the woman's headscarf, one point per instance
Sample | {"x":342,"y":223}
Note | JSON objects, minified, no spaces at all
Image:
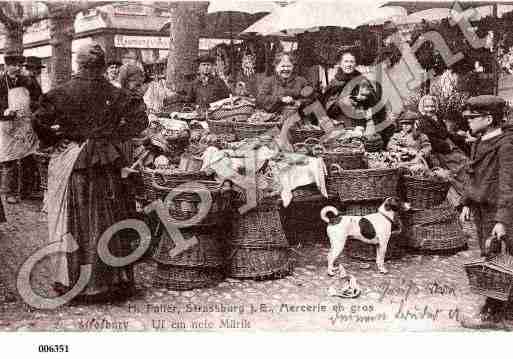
{"x":424,"y":99}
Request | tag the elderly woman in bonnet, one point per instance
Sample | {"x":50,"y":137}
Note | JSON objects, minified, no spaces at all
{"x":445,"y":153}
{"x":87,"y":119}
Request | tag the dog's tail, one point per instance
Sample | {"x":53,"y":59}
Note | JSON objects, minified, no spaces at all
{"x":328,"y":213}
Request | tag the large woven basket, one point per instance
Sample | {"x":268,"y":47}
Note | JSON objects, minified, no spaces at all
{"x":424,"y":193}
{"x":223,"y":129}
{"x":169,"y":180}
{"x":362,"y":184}
{"x":244,"y":130}
{"x":258,"y":246}
{"x":492,"y":277}
{"x":435,"y":229}
{"x":348,"y":160}
{"x":42,"y":160}
{"x":200,"y":266}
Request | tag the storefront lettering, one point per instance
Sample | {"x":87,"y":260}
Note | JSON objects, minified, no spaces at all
{"x":141,"y":42}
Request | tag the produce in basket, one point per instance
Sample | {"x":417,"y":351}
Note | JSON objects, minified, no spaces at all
{"x":261,"y":116}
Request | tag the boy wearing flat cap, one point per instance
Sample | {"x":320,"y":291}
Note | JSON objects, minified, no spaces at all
{"x":490,"y":194}
{"x":206,"y":88}
{"x":411,"y":143}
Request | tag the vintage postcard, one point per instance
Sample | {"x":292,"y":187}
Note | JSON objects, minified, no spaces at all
{"x":243,"y":166}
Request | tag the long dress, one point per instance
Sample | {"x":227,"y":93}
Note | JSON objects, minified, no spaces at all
{"x":86,"y":194}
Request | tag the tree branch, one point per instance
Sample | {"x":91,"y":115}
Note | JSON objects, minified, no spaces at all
{"x":6,"y":20}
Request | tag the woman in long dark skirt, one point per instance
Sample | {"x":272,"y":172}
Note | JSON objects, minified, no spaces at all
{"x":87,"y":119}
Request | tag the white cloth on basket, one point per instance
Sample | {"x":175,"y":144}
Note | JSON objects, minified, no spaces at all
{"x":297,"y":175}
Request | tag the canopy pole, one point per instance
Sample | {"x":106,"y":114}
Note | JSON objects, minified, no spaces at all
{"x":495,"y":44}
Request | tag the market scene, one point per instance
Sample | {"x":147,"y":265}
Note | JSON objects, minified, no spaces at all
{"x":256,"y":165}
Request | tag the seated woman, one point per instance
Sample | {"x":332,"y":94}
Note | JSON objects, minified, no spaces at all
{"x":413,"y":145}
{"x":284,"y":88}
{"x":445,"y":153}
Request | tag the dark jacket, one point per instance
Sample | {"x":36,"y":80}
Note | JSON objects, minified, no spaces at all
{"x":203,"y":94}
{"x":21,"y":81}
{"x":438,"y":134}
{"x":491,"y":173}
{"x":90,"y":109}
{"x":273,"y":89}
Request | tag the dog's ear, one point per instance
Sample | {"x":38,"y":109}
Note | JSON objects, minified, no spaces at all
{"x":392,"y":204}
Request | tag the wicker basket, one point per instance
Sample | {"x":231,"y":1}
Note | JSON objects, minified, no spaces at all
{"x":348,"y":160}
{"x":223,"y":129}
{"x":200,"y":266}
{"x":42,"y":160}
{"x":258,"y":244}
{"x":424,"y":193}
{"x":169,"y":180}
{"x":244,"y":130}
{"x":492,"y":277}
{"x":362,"y":184}
{"x":298,"y":135}
{"x":435,"y":229}
{"x":236,"y":113}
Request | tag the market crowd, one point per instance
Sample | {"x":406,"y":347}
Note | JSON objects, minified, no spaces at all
{"x":90,"y":121}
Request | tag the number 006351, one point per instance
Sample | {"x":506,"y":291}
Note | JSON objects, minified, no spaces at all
{"x":46,"y":348}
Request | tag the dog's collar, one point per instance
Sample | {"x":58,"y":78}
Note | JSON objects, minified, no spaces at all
{"x":387,"y":217}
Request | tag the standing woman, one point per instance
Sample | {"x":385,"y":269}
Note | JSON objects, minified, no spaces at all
{"x":444,"y":152}
{"x":86,"y":119}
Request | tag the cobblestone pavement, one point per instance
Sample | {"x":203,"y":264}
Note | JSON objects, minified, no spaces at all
{"x":420,"y":292}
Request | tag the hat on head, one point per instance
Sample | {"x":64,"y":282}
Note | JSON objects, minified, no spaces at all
{"x":91,"y":55}
{"x":484,"y":105}
{"x":13,"y":57}
{"x":408,"y":117}
{"x":205,"y":59}
{"x":33,"y":62}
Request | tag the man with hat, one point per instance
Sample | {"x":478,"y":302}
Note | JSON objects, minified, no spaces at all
{"x":490,"y":193}
{"x":206,"y":88}
{"x":33,"y":66}
{"x":409,"y":142}
{"x":112,"y":72}
{"x":19,"y":96}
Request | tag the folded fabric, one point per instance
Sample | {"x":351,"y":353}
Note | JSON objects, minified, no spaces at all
{"x":294,"y":176}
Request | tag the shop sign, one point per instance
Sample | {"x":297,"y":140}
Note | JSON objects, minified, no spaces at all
{"x":131,"y":9}
{"x":141,"y":42}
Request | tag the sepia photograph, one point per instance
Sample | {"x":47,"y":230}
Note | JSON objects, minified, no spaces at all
{"x":238,"y":166}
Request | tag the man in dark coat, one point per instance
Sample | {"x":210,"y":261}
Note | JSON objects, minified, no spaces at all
{"x":12,"y":147}
{"x":206,"y":88}
{"x":490,"y":194}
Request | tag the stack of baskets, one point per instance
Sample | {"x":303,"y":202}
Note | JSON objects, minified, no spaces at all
{"x":203,"y":264}
{"x":258,"y":247}
{"x":432,"y":224}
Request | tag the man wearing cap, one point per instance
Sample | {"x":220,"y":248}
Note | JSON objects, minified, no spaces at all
{"x":490,"y":194}
{"x":409,"y":142}
{"x":86,"y":119}
{"x":206,"y":88}
{"x":112,"y":72}
{"x":18,"y":98}
{"x":33,"y":67}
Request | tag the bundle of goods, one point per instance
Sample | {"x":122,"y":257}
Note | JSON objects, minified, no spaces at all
{"x":43,"y":160}
{"x":258,"y":247}
{"x":362,"y":184}
{"x":357,"y":249}
{"x":200,"y":266}
{"x":434,"y":229}
{"x":492,"y":276}
{"x":425,"y":188}
{"x":223,"y":114}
